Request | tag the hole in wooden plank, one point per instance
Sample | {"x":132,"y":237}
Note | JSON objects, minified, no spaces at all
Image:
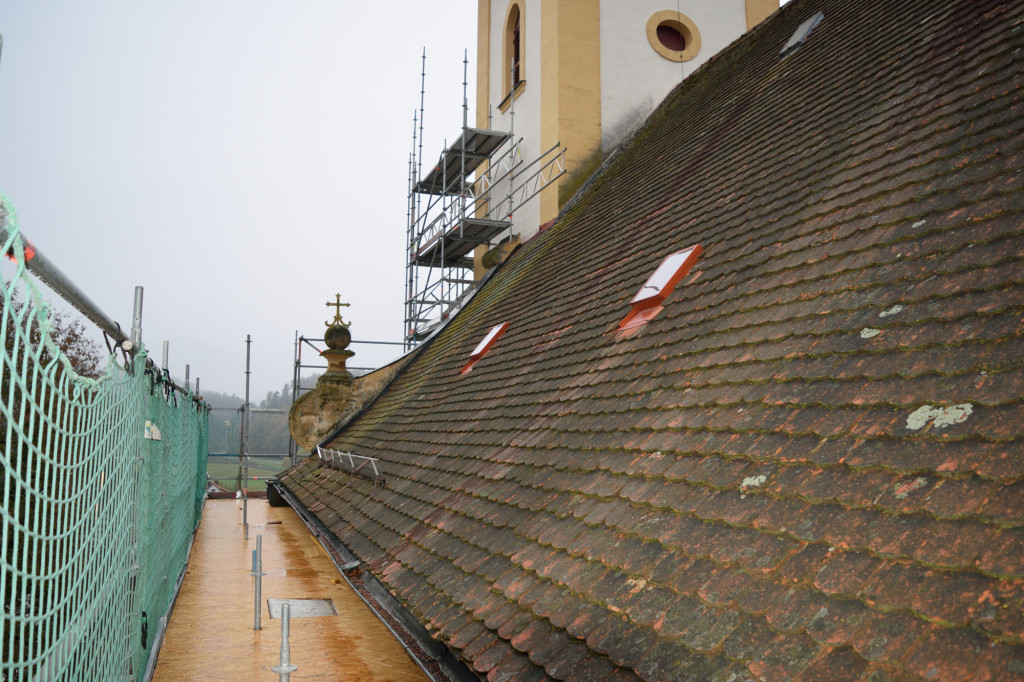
{"x":302,"y":608}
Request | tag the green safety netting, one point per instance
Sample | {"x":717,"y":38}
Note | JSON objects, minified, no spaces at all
{"x":102,"y":488}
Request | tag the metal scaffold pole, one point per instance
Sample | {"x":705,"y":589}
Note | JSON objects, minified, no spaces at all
{"x":136,"y":338}
{"x":410,"y":236}
{"x":257,"y":574}
{"x":293,"y":447}
{"x":285,"y":667}
{"x":244,"y":454}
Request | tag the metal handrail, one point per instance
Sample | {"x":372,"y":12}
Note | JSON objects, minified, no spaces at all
{"x":42,"y":267}
{"x":47,"y":271}
{"x":328,"y":455}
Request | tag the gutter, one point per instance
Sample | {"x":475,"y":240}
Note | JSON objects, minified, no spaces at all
{"x":345,"y":560}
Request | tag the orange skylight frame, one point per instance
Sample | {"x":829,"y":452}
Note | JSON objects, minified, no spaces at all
{"x":647,"y":302}
{"x":484,"y":346}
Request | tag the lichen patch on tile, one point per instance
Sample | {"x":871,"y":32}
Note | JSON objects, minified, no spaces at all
{"x":868,"y":332}
{"x":753,"y":481}
{"x":891,"y":311}
{"x":941,"y":417}
{"x":636,"y":584}
{"x":905,"y":489}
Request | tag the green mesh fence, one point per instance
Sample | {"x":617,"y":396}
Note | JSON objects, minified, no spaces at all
{"x":223,"y":466}
{"x":224,"y":472}
{"x":103,"y":482}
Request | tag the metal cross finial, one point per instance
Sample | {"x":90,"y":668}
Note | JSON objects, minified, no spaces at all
{"x":337,"y":312}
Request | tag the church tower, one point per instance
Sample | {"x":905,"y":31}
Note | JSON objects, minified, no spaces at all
{"x":560,"y":84}
{"x":583,"y":74}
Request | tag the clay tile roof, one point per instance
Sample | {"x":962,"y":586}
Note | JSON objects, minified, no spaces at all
{"x":809,"y":465}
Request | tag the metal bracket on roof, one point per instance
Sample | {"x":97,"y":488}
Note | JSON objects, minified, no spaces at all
{"x":351,"y":464}
{"x":801,"y":33}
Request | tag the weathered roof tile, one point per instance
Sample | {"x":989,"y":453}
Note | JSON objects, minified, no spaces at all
{"x":496,"y":653}
{"x":464,"y":636}
{"x":951,"y":654}
{"x":835,"y":665}
{"x":565,"y":664}
{"x":513,"y":667}
{"x":485,"y":639}
{"x":549,"y":649}
{"x":845,"y":573}
{"x":587,"y":618}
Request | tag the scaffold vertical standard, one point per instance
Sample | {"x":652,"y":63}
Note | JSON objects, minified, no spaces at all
{"x":465,"y":200}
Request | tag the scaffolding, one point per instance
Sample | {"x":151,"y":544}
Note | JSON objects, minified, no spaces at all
{"x":450,"y":215}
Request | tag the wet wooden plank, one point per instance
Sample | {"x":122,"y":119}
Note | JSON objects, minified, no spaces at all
{"x":210,"y":636}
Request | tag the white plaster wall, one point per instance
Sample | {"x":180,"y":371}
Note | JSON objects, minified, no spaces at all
{"x":526,"y":123}
{"x":526,"y":108}
{"x":635,"y":78}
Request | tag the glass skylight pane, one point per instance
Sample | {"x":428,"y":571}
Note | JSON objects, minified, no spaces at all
{"x":801,"y":33}
{"x":491,"y":336}
{"x":666,"y":276}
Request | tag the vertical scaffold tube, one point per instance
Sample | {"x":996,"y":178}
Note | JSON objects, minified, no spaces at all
{"x":258,"y":573}
{"x":137,"y":319}
{"x":244,"y":454}
{"x":285,"y":667}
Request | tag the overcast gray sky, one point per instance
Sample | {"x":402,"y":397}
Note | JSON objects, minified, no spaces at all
{"x":243,"y":160}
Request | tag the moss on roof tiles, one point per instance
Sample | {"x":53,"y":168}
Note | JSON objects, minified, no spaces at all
{"x":735,"y":488}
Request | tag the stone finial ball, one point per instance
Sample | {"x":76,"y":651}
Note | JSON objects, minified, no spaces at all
{"x":337,"y":337}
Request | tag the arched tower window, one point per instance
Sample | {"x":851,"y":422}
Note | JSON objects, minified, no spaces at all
{"x":515,"y":52}
{"x":514,"y":47}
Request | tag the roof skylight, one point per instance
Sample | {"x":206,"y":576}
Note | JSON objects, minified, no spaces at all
{"x":485,"y":345}
{"x":801,"y":33}
{"x":647,"y":302}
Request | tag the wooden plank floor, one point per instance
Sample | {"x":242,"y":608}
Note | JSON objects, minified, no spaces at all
{"x":210,"y":635}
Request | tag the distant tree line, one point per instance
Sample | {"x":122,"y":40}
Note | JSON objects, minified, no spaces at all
{"x":268,"y":433}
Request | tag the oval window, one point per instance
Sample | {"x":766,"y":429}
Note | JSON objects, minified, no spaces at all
{"x":673,"y":35}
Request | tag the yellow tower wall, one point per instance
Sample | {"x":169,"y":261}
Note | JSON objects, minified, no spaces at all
{"x":571,"y":86}
{"x":759,"y":10}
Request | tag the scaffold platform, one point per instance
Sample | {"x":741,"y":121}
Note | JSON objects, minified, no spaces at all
{"x":210,"y":635}
{"x":467,"y":199}
{"x":458,"y":161}
{"x":447,"y":249}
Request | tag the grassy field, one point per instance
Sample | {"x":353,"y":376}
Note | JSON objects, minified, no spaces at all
{"x":224,"y":470}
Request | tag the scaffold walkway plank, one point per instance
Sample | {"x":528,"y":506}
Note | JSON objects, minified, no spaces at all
{"x":458,"y":241}
{"x":478,"y":146}
{"x":210,"y":635}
